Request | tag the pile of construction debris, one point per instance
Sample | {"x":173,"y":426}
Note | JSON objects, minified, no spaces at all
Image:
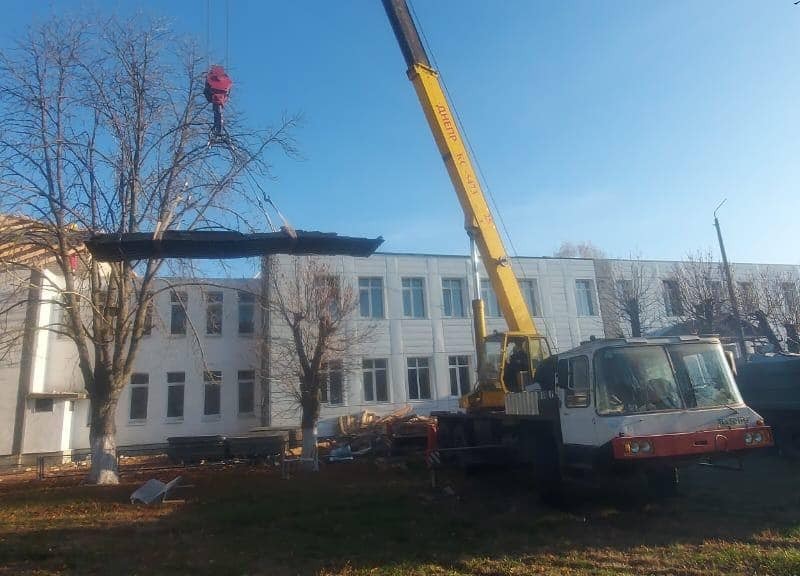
{"x":393,"y":434}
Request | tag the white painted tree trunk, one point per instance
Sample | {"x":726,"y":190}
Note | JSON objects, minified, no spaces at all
{"x":104,"y":460}
{"x":310,"y":459}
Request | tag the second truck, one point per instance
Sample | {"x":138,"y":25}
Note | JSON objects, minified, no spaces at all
{"x":620,"y":406}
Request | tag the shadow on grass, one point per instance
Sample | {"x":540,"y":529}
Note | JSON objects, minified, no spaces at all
{"x":354,"y":519}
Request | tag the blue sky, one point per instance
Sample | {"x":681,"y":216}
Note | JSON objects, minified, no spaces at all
{"x":622,"y":123}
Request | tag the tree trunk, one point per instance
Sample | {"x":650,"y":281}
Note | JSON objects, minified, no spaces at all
{"x":308,"y":424}
{"x":103,"y":435}
{"x":636,"y":321}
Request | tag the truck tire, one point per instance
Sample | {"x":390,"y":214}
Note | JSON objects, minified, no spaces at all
{"x":547,"y":471}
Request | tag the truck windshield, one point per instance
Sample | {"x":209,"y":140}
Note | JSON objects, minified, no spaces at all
{"x":703,"y":375}
{"x":635,"y":379}
{"x":651,"y":378}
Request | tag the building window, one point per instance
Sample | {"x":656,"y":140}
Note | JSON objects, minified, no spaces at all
{"x":176,"y":382}
{"x":673,"y":304}
{"x":413,"y":297}
{"x":327,"y":289}
{"x":376,"y":388}
{"x":43,"y":405}
{"x":747,"y":296}
{"x":459,"y":375}
{"x":370,"y":297}
{"x":453,"y":297}
{"x":419,"y":379}
{"x":212,"y":393}
{"x":213,"y":312}
{"x":139,"y":385}
{"x":584,"y":297}
{"x":247,"y":383}
{"x":177,"y":325}
{"x":790,"y":301}
{"x":491,"y":306}
{"x":247,"y":313}
{"x":530,"y":291}
{"x":332,"y":386}
{"x":147,"y":328}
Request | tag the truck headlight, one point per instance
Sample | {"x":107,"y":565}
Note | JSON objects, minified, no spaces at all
{"x":758,"y":438}
{"x":748,"y":438}
{"x":646,"y":447}
{"x":634,"y":447}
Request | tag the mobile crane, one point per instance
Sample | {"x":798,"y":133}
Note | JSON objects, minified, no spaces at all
{"x":619,"y":406}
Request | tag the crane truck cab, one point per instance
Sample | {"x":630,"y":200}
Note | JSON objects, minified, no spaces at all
{"x":644,"y":402}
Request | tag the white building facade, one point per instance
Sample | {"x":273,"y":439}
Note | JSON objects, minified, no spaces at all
{"x":205,"y":366}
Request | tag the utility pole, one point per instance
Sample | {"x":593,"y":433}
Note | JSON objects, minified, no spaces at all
{"x":729,"y":280}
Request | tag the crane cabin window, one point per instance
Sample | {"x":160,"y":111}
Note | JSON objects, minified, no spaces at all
{"x":413,"y":297}
{"x":575,"y":371}
{"x":453,"y":298}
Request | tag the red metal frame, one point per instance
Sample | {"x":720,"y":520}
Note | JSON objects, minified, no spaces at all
{"x":691,"y":443}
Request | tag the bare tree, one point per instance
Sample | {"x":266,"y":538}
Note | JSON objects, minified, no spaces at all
{"x":702,"y":296}
{"x":778,"y":296}
{"x":632,"y":295}
{"x":105,"y":128}
{"x":313,"y":341}
{"x":579,"y":250}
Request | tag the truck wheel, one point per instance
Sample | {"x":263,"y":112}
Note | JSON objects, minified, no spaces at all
{"x":547,"y":471}
{"x":663,"y":482}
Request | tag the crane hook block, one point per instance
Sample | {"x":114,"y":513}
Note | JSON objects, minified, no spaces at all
{"x":218,"y":86}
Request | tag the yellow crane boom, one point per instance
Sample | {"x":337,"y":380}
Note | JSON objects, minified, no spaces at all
{"x":479,"y":221}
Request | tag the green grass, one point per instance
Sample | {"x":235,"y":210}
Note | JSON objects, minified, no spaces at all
{"x":354,"y":520}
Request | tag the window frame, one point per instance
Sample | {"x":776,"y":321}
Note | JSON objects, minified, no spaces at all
{"x":532,"y":295}
{"x":491,"y":305}
{"x":175,"y":381}
{"x":591,"y":300}
{"x":214,"y":307}
{"x":179,"y":302}
{"x":142,"y":384}
{"x":456,"y":369}
{"x":327,"y":369}
{"x":212,"y":378}
{"x":418,"y":368}
{"x":252,"y":382}
{"x":449,"y":294}
{"x":410,"y":312}
{"x":245,"y":300}
{"x":673,"y":302}
{"x":373,"y":370}
{"x":368,"y":293}
{"x":576,"y":397}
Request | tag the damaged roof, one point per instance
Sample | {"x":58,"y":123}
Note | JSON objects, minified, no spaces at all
{"x":216,"y":244}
